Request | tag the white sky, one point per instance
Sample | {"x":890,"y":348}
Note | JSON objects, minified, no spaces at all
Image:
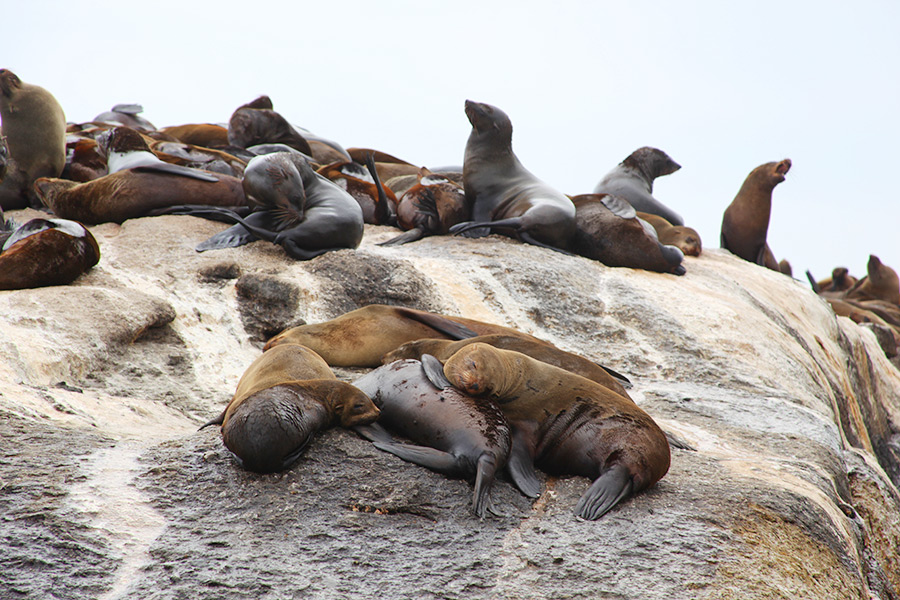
{"x":721,"y":86}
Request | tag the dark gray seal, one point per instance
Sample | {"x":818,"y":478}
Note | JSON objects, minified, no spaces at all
{"x":632,"y":179}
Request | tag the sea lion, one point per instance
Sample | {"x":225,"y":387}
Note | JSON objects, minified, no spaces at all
{"x":85,"y":160}
{"x":608,"y":230}
{"x":430,"y":207}
{"x":34,"y":125}
{"x":454,"y":433}
{"x":44,"y":252}
{"x":443,"y":349}
{"x":746,"y":220}
{"x":283,"y":398}
{"x":256,"y":123}
{"x":564,"y":424}
{"x":503,"y":194}
{"x":133,"y":193}
{"x":126,"y":149}
{"x":632,"y":179}
{"x":127,"y":115}
{"x":207,"y":135}
{"x":684,"y":238}
{"x":880,"y":283}
{"x":361,"y":337}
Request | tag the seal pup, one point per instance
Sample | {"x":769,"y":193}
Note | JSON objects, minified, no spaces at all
{"x":283,"y":398}
{"x":632,"y":179}
{"x":608,"y":230}
{"x":880,"y":283}
{"x":746,"y":220}
{"x":684,"y":238}
{"x":126,"y":149}
{"x":443,"y":349}
{"x":361,"y":337}
{"x":453,"y":433}
{"x":503,"y":194}
{"x":44,"y":252}
{"x":128,"y":115}
{"x":430,"y":207}
{"x":564,"y":424}
{"x":34,"y":125}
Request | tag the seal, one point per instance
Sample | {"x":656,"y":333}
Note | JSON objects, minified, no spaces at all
{"x":503,"y":194}
{"x":785,"y":267}
{"x":207,"y":135}
{"x":283,"y":398}
{"x":632,"y":179}
{"x":34,"y":126}
{"x":608,"y":230}
{"x":684,"y":238}
{"x":85,"y":160}
{"x":44,"y":252}
{"x":126,"y":149}
{"x":379,"y":205}
{"x":564,"y":424}
{"x":127,"y":115}
{"x":430,"y":207}
{"x":880,"y":283}
{"x":301,"y":211}
{"x":361,"y":337}
{"x":745,"y":223}
{"x":257,"y":123}
{"x":453,"y":433}
{"x":542,"y":351}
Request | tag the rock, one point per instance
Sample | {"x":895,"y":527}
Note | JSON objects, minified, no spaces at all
{"x":790,"y":415}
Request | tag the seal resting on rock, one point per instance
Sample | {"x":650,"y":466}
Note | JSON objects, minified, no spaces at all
{"x":632,"y":180}
{"x":430,"y":207}
{"x":880,"y":283}
{"x":684,"y":238}
{"x":283,"y":398}
{"x":503,"y":194}
{"x":456,"y":434}
{"x":745,"y":223}
{"x":564,"y":424}
{"x":45,"y":252}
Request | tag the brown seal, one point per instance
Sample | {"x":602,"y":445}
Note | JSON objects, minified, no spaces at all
{"x":684,"y":238}
{"x":207,"y":135}
{"x":880,"y":283}
{"x":430,"y":207}
{"x":542,"y":351}
{"x":745,"y":223}
{"x":785,"y":267}
{"x":564,"y":424}
{"x":454,"y":433}
{"x":46,"y":252}
{"x":361,"y":337}
{"x":608,"y":230}
{"x":378,"y":204}
{"x":257,"y":123}
{"x":283,"y":398}
{"x":134,"y":193}
{"x":632,"y":180}
{"x":34,"y":126}
{"x":503,"y":194}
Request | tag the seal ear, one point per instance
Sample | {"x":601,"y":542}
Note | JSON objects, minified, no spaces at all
{"x":434,"y":371}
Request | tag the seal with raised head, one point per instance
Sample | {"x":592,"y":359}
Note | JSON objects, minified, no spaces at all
{"x":452,"y":432}
{"x":880,"y":283}
{"x":745,"y":223}
{"x":632,"y":180}
{"x":283,"y":398}
{"x":564,"y":424}
{"x":44,"y":252}
{"x":609,"y":230}
{"x":361,"y":337}
{"x":503,"y":194}
{"x":542,"y":351}
{"x":257,"y":123}
{"x":34,"y":125}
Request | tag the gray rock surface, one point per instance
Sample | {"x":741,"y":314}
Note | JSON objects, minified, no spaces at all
{"x":107,"y":489}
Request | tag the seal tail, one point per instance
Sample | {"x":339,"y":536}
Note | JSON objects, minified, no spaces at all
{"x":607,"y":491}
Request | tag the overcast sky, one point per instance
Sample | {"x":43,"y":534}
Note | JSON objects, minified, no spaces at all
{"x":722,"y":87}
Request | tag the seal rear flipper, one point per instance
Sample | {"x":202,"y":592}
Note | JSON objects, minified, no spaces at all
{"x":295,"y":454}
{"x":471,"y":229}
{"x":374,"y":433}
{"x":626,"y":383}
{"x":813,"y":282}
{"x":232,"y":237}
{"x":436,"y":460}
{"x":607,"y":491}
{"x":434,"y":371}
{"x":164,"y":167}
{"x":452,"y":329}
{"x":411,"y":235}
{"x":217,"y":421}
{"x":485,"y":472}
{"x":520,"y":467}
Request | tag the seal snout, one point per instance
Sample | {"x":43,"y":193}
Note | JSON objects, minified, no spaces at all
{"x":783,"y":167}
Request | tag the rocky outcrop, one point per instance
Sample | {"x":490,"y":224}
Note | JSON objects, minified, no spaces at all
{"x":785,"y":487}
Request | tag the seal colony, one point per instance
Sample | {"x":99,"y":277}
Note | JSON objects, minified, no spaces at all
{"x":463,"y":397}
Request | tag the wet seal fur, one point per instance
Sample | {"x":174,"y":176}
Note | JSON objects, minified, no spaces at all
{"x":283,"y":398}
{"x":34,"y":125}
{"x":609,"y":230}
{"x":361,"y":337}
{"x":542,"y":351}
{"x":632,"y":180}
{"x":745,"y":223}
{"x":453,"y":433}
{"x":503,"y":194}
{"x":44,"y":252}
{"x":564,"y":424}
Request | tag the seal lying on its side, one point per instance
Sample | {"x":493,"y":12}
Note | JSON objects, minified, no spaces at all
{"x":564,"y":424}
{"x":283,"y":398}
{"x":458,"y":435}
{"x":45,"y":252}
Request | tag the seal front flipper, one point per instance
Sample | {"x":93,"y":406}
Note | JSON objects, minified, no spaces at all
{"x":164,"y":167}
{"x":436,"y":460}
{"x":374,"y":433}
{"x":217,"y":421}
{"x":520,"y":467}
{"x":450,"y":328}
{"x":607,"y":491}
{"x":471,"y":229}
{"x":434,"y":371}
{"x":813,"y":282}
{"x":232,"y":237}
{"x":410,"y":235}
